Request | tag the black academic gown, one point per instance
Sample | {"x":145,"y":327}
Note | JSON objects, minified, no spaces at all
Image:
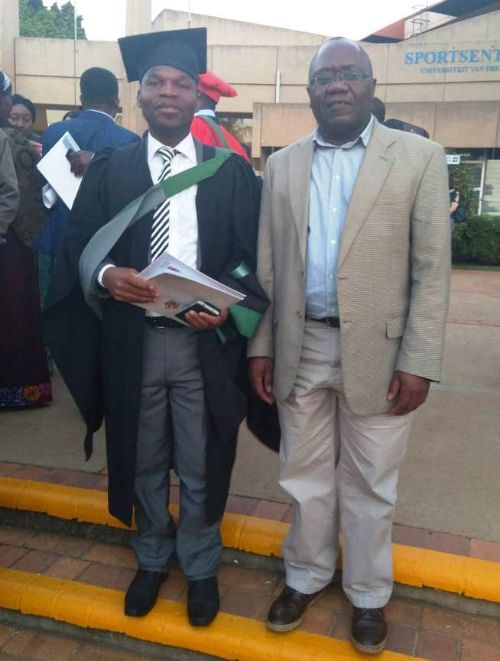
{"x":101,"y":362}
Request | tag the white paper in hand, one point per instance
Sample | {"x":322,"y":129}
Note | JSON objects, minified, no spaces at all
{"x":56,"y":168}
{"x":180,"y":286}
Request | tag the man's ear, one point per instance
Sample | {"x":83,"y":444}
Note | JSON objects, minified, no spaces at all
{"x":308,"y":90}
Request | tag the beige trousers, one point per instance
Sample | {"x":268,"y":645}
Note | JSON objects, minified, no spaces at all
{"x":340,"y":469}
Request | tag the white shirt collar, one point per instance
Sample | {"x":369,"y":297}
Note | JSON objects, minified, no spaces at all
{"x":364,"y":137}
{"x":185,"y":147}
{"x":205,"y":111}
{"x":101,"y":112}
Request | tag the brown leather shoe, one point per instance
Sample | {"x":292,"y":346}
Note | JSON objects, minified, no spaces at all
{"x":287,"y":611}
{"x":369,"y":630}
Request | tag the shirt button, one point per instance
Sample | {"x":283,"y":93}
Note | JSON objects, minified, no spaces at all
{"x":330,"y":276}
{"x":333,"y":242}
{"x":337,"y":176}
{"x":335,"y":210}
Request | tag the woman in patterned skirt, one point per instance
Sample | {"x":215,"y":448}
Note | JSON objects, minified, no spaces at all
{"x":24,"y":375}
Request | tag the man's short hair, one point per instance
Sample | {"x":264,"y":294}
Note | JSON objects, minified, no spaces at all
{"x":98,"y":85}
{"x":332,"y":40}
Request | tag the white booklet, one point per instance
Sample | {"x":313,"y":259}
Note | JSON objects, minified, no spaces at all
{"x":181,"y":286}
{"x":56,"y":168}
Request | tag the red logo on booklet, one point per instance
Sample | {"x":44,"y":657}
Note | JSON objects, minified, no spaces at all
{"x":171,"y":305}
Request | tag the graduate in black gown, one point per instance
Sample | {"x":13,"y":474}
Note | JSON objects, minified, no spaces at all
{"x":108,"y":364}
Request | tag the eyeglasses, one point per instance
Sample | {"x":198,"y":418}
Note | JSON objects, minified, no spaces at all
{"x":327,"y":77}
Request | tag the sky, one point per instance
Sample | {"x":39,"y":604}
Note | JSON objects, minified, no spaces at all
{"x":105,"y":19}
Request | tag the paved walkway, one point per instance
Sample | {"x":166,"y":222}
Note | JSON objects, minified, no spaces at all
{"x":23,"y":643}
{"x":416,"y":629}
{"x":449,"y":499}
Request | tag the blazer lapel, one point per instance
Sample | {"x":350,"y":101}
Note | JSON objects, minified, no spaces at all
{"x":299,"y":178}
{"x":372,"y":175}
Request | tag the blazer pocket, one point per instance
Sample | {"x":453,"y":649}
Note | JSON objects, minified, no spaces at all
{"x":395,"y":327}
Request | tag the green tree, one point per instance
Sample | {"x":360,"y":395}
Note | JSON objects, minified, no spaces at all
{"x":36,"y":20}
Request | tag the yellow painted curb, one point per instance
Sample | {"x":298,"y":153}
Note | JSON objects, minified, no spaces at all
{"x":472,"y":577}
{"x":229,"y":637}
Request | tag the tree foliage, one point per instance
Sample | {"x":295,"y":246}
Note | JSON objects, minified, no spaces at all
{"x":36,"y":20}
{"x":477,"y":241}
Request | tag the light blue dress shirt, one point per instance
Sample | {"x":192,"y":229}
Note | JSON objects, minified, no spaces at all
{"x":334,"y":173}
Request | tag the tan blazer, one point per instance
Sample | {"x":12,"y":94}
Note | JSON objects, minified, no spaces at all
{"x":393,"y":268}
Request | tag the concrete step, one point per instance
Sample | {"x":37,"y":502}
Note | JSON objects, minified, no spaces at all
{"x":25,"y":637}
{"x":458,"y":581}
{"x":56,"y":581}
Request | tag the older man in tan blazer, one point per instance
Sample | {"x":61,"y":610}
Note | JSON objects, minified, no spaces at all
{"x":354,"y":254}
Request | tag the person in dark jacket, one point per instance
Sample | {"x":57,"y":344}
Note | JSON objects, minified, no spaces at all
{"x":94,"y":129}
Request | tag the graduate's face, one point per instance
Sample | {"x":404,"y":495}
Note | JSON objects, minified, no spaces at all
{"x":167,"y":97}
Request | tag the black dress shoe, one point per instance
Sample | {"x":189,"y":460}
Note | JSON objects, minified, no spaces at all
{"x":369,"y":630}
{"x":287,"y":611}
{"x":203,"y":601}
{"x":143,"y":592}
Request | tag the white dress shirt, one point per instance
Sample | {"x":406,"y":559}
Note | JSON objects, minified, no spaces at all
{"x":183,"y":223}
{"x":333,"y":175}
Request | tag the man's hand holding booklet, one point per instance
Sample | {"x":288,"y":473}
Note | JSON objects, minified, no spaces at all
{"x":183,"y":289}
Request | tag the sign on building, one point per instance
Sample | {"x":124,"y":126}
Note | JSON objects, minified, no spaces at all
{"x":453,"y":159}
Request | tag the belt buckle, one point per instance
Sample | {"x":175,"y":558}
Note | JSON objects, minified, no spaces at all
{"x":162,"y":322}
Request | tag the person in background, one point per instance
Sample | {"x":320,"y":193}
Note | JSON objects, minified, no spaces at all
{"x":71,"y":114}
{"x":9,"y":190}
{"x":401,"y":125}
{"x":206,"y":126}
{"x":377,"y":108}
{"x":22,"y":113}
{"x":24,"y":375}
{"x":354,"y":254}
{"x":458,"y":213}
{"x":94,"y":129}
{"x":23,"y":116}
{"x":454,"y":197}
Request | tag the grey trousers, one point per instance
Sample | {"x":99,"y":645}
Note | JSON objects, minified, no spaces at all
{"x":172,"y":389}
{"x":341,"y":469}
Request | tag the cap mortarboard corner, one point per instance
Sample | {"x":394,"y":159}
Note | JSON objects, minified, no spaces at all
{"x":185,"y":50}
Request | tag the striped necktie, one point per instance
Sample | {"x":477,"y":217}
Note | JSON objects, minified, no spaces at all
{"x":161,"y":215}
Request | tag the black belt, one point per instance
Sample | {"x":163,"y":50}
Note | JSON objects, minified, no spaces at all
{"x":163,"y":322}
{"x":333,"y":322}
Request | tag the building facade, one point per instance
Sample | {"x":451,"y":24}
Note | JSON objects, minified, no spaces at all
{"x":439,"y":70}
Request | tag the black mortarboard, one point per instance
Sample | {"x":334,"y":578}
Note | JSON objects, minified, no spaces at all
{"x":182,"y":49}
